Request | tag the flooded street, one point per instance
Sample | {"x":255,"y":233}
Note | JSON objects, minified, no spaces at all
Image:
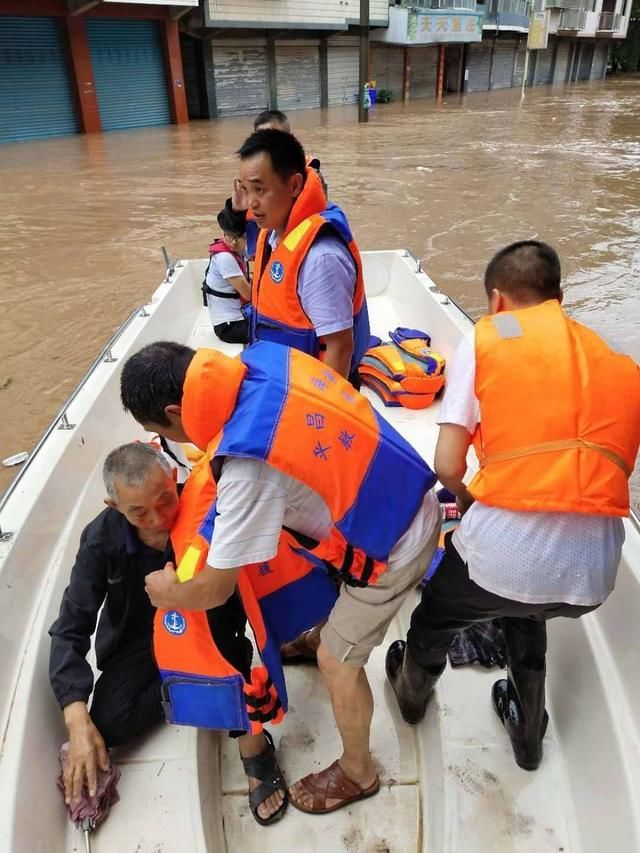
{"x":84,"y":217}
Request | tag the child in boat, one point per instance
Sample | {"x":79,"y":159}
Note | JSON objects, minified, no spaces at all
{"x":554,"y":415}
{"x":226,"y":287}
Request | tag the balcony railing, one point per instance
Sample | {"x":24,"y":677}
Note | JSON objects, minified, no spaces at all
{"x":610,"y":22}
{"x":462,"y":5}
{"x":508,"y":7}
{"x":573,"y":19}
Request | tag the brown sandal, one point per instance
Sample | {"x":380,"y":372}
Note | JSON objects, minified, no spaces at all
{"x":332,"y":784}
{"x":303,"y":649}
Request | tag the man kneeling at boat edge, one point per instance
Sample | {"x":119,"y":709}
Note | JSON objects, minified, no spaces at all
{"x":118,"y":550}
{"x":300,"y":449}
{"x":554,"y":416}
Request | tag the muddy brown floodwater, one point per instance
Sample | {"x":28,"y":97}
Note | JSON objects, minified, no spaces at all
{"x":83,"y":217}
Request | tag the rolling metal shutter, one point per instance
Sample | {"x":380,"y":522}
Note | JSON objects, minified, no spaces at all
{"x":343,"y":69}
{"x":586,"y":58}
{"x":298,"y":75}
{"x":503,"y":64}
{"x":424,"y":70}
{"x":562,"y":62}
{"x":478,"y":66}
{"x":240,"y":73}
{"x":129,"y":73}
{"x":388,"y":68}
{"x":35,"y":88}
{"x":600,"y":56}
{"x":519,"y":62}
{"x":544,"y":65}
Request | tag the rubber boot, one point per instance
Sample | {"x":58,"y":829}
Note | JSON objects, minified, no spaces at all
{"x":518,"y":700}
{"x":411,"y":684}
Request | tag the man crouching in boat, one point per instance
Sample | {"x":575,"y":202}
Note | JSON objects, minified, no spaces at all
{"x":554,"y":416}
{"x":293,"y":445}
{"x":118,"y":550}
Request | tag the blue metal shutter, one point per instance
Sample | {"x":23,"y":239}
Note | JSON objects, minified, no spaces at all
{"x":129,"y":73}
{"x":35,"y":90}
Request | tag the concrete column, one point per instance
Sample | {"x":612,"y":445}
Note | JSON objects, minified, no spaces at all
{"x":406,"y":75}
{"x":82,"y":75}
{"x":272,"y":77}
{"x":175,"y":74}
{"x":441,"y":66}
{"x":209,"y":81}
{"x":324,"y":73}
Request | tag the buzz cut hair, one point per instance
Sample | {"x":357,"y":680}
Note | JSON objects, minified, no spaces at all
{"x":527,"y":271}
{"x":131,"y":464}
{"x":272,"y":117}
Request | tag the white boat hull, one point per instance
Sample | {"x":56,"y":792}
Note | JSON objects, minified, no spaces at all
{"x":449,"y":785}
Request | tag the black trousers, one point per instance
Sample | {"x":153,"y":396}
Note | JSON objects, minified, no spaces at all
{"x":236,"y":332}
{"x":126,"y":699}
{"x":451,"y":601}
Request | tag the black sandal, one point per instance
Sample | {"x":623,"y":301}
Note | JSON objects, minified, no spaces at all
{"x":264,"y":767}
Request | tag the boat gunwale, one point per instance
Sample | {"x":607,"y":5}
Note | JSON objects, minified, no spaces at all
{"x":140,"y":311}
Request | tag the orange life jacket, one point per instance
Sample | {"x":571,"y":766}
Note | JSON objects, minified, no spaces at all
{"x":281,"y":598}
{"x":559,"y":415}
{"x":281,"y":406}
{"x":277,"y":312}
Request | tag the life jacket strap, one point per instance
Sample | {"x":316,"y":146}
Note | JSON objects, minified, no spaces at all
{"x":552,"y":446}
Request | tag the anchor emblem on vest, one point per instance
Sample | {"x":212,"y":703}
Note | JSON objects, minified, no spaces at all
{"x":174,"y":623}
{"x":277,"y":272}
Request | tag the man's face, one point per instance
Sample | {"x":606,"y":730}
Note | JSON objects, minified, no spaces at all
{"x":152,"y":506}
{"x":270,"y":198}
{"x":173,"y":430}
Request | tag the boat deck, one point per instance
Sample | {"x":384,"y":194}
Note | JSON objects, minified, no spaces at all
{"x":450,"y":785}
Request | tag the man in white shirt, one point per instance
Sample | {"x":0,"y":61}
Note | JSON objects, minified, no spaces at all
{"x":510,"y":558}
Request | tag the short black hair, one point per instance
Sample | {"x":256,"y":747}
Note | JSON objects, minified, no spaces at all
{"x":286,"y":154}
{"x":152,"y":379}
{"x":527,"y":270}
{"x":268,"y":116}
{"x":232,"y":222}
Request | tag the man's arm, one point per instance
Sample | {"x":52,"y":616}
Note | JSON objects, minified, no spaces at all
{"x":209,"y":588}
{"x":451,"y":462}
{"x":339,"y":351}
{"x":71,"y":675}
{"x":239,"y":283}
{"x":458,"y":421}
{"x":326,"y":284}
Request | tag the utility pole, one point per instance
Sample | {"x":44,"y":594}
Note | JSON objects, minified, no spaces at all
{"x":363,"y":111}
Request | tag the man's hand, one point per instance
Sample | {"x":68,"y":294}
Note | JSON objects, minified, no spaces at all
{"x":239,"y":198}
{"x":87,"y":753}
{"x":161,"y":586}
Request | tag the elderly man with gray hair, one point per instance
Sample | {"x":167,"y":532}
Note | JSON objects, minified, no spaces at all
{"x":123,"y":544}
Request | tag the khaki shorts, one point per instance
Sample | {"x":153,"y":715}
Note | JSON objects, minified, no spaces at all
{"x":361,"y":615}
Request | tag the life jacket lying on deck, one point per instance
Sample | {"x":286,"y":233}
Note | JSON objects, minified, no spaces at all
{"x":281,"y":598}
{"x":219,"y":247}
{"x":276,"y":310}
{"x":405,"y":371}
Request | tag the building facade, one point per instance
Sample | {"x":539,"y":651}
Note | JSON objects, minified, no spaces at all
{"x":90,"y":65}
{"x":84,"y":66}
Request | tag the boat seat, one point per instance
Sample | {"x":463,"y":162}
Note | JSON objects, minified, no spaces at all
{"x":204,"y":336}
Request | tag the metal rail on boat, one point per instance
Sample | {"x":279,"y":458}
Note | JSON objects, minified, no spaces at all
{"x":61,"y":420}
